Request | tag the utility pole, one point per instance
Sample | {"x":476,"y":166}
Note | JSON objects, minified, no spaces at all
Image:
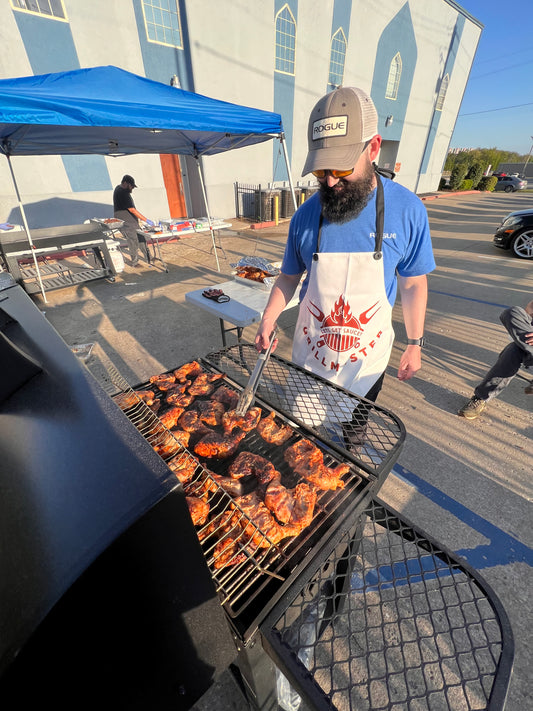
{"x":528,"y":157}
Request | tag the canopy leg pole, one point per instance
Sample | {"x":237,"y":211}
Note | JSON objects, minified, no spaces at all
{"x":207,"y":210}
{"x":25,"y":222}
{"x":287,"y":164}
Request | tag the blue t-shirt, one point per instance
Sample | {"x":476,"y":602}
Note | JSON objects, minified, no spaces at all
{"x":407,"y":248}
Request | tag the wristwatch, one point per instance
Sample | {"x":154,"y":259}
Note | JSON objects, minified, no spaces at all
{"x":416,"y":342}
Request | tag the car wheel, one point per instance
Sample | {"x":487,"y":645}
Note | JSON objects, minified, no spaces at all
{"x":522,"y":244}
{"x":508,"y":189}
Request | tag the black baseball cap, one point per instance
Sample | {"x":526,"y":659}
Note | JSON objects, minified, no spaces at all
{"x":128,"y":179}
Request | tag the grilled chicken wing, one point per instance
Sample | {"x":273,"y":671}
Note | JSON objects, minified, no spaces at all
{"x":308,"y":461}
{"x":198,"y":509}
{"x":270,"y":531}
{"x":162,"y":381}
{"x":211,"y":412}
{"x":227,"y":396}
{"x":189,"y":370}
{"x":294,"y":507}
{"x":170,"y":443}
{"x":247,"y":463}
{"x":279,"y":500}
{"x":204,"y":383}
{"x":190,"y":422}
{"x":170,"y":417}
{"x":181,"y":399}
{"x":272,"y":432}
{"x":246,"y":423}
{"x":217,"y":445}
{"x":183,"y":466}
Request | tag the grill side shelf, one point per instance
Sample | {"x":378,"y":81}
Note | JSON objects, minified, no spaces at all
{"x":389,"y":618}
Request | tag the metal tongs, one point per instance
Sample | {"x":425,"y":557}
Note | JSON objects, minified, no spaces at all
{"x":247,"y":396}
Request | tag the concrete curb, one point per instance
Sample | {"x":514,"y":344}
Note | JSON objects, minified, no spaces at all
{"x":460,"y":192}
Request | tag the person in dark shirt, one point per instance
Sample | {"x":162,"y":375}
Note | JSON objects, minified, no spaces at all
{"x":124,"y":209}
{"x":519,"y":353}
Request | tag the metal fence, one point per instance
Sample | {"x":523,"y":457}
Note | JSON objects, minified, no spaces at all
{"x":264,"y":204}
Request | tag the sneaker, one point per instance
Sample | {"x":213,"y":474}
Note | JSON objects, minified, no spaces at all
{"x":473,"y":408}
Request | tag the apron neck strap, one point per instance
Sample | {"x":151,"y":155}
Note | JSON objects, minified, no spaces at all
{"x":380,"y":219}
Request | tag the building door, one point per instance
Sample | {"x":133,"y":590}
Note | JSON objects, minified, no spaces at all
{"x":171,"y":169}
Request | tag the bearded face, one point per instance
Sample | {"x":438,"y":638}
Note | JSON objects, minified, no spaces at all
{"x":345,"y":200}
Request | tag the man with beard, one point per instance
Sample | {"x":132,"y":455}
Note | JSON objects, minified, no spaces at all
{"x":358,"y":238}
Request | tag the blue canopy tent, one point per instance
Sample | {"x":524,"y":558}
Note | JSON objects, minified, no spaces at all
{"x":109,"y":111}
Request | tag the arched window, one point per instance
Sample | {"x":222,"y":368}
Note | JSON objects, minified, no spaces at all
{"x":393,"y":82}
{"x":285,"y":40}
{"x":337,"y":59}
{"x":442,"y":92}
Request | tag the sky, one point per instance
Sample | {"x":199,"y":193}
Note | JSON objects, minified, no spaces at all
{"x":497,"y":106}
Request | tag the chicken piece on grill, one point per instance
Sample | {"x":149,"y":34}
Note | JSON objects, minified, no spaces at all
{"x":308,"y":461}
{"x":126,"y":400}
{"x":271,"y":432}
{"x":228,"y":549}
{"x":324,"y":477}
{"x":279,"y":500}
{"x":180,"y":399}
{"x":246,"y":422}
{"x":183,"y":466}
{"x":175,"y":388}
{"x":170,"y":417}
{"x":304,"y":506}
{"x":169,"y":443}
{"x":303,"y":453}
{"x":270,"y":531}
{"x":247,"y":463}
{"x":156,"y":404}
{"x":210,"y":412}
{"x":190,"y":422}
{"x":189,"y":370}
{"x":198,"y":509}
{"x":202,"y":488}
{"x":130,"y":399}
{"x":217,"y":445}
{"x":227,"y":396}
{"x":204,"y":383}
{"x":163,"y":381}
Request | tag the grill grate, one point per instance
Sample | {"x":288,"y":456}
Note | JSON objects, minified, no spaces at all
{"x":409,"y":627}
{"x":258,"y":575}
{"x":354,"y":427}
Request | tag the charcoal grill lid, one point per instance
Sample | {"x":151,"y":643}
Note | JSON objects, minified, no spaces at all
{"x":74,"y":474}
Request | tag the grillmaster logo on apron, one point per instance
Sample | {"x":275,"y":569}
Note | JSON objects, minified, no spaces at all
{"x":344,"y":331}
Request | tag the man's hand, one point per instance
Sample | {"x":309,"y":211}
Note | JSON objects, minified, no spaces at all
{"x":150,"y":223}
{"x":529,"y":339}
{"x":410,"y":362}
{"x":262,"y":337}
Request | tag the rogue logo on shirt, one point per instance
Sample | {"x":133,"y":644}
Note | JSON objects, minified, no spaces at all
{"x":340,"y":330}
{"x":332,"y":126}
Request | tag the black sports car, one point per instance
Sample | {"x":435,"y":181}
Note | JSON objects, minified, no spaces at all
{"x":516,"y":233}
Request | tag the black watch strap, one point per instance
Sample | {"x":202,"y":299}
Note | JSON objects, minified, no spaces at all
{"x":416,"y":341}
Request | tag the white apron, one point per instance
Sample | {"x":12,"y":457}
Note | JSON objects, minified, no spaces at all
{"x":344,"y":330}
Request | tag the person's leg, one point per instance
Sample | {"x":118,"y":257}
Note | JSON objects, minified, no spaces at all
{"x":130,"y":233}
{"x":518,"y":323}
{"x":355,"y":431}
{"x":501,"y":373}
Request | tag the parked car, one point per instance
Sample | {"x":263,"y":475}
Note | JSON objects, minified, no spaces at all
{"x":516,"y":233}
{"x":510,"y":184}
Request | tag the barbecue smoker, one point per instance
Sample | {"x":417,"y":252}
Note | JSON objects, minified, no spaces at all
{"x":111,"y":596}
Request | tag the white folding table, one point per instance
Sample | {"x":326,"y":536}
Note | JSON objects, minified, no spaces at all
{"x":245,"y":307}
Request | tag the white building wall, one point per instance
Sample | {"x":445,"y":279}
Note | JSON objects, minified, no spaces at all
{"x":232,"y":48}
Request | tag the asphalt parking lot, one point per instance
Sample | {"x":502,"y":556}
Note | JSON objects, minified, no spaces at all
{"x":468,"y":484}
